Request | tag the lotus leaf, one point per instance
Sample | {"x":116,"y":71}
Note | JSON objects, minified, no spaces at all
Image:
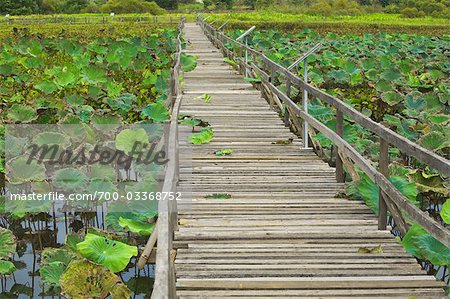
{"x":21,"y":113}
{"x":6,"y":268}
{"x":408,"y":240}
{"x":8,"y":243}
{"x":434,"y":141}
{"x":204,"y":136}
{"x":19,"y":170}
{"x":156,"y":112}
{"x":433,"y":250}
{"x":128,"y":139}
{"x":139,"y":227}
{"x":365,"y":189}
{"x":445,"y":211}
{"x":70,"y":179}
{"x":54,"y":262}
{"x":188,"y":62}
{"x":98,"y":282}
{"x":114,"y":255}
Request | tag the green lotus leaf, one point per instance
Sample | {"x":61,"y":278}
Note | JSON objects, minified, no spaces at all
{"x":188,"y":62}
{"x":101,"y":185}
{"x":123,"y":102}
{"x":113,"y":89}
{"x":113,"y":216}
{"x":224,"y":152}
{"x":6,"y":69}
{"x":21,"y":113}
{"x":440,"y":119}
{"x":392,"y":98}
{"x":114,"y":255}
{"x":408,"y":240}
{"x":391,"y":74}
{"x":15,"y":145}
{"x":392,"y":120}
{"x":49,"y":138}
{"x":120,"y":291}
{"x":139,"y":227}
{"x":66,"y":77}
{"x":366,"y":190}
{"x":19,"y":170}
{"x":427,"y":183}
{"x":8,"y":243}
{"x":445,"y":211}
{"x":47,"y":87}
{"x":384,"y":86}
{"x":98,"y":281}
{"x":72,"y":240}
{"x":161,"y":82}
{"x":204,"y":136}
{"x":129,"y":139}
{"x":434,"y":141}
{"x":433,"y":250}
{"x":356,"y":79}
{"x":94,"y":75}
{"x":106,"y":122}
{"x":75,"y":100}
{"x":368,"y":63}
{"x":192,"y":122}
{"x":156,"y":112}
{"x":70,"y":179}
{"x":6,"y":268}
{"x":372,"y":74}
{"x":54,"y":262}
{"x":339,"y":76}
{"x":103,"y":171}
{"x":414,"y":101}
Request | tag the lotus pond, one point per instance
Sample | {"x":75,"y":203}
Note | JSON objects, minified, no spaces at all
{"x":96,"y":81}
{"x":399,"y":80}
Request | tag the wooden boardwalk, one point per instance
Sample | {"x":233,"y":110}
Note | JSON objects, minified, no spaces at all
{"x":282,"y":233}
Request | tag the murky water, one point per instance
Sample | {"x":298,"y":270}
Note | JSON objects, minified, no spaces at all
{"x":32,"y":236}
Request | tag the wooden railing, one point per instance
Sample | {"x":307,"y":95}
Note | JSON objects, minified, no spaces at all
{"x":390,"y":197}
{"x":164,"y":286}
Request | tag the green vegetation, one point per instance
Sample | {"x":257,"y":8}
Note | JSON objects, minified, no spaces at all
{"x":27,"y":7}
{"x":84,"y":76}
{"x":407,"y":8}
{"x":104,"y":76}
{"x":358,"y":24}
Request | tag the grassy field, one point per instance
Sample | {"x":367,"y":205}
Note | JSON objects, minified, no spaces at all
{"x":370,"y":23}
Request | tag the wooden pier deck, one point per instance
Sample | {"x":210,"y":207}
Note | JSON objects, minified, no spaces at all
{"x":282,"y":233}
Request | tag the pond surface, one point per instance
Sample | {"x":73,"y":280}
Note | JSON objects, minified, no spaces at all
{"x":32,"y":236}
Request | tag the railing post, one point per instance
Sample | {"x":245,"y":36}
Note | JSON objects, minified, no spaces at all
{"x":246,"y":56}
{"x":287,"y":122}
{"x":340,"y":176}
{"x":305,"y":103}
{"x":384,"y":170}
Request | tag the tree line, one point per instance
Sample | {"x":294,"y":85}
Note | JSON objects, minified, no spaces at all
{"x":408,"y":8}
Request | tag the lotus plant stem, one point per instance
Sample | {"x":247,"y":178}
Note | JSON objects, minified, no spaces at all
{"x":96,"y":220}
{"x":54,"y":223}
{"x":103,"y":217}
{"x":65,"y":222}
{"x":32,"y":276}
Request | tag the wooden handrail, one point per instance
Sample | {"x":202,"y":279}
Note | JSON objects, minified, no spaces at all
{"x":396,"y":202}
{"x":164,"y":286}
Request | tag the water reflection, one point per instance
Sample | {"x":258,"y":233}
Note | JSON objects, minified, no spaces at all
{"x":37,"y":232}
